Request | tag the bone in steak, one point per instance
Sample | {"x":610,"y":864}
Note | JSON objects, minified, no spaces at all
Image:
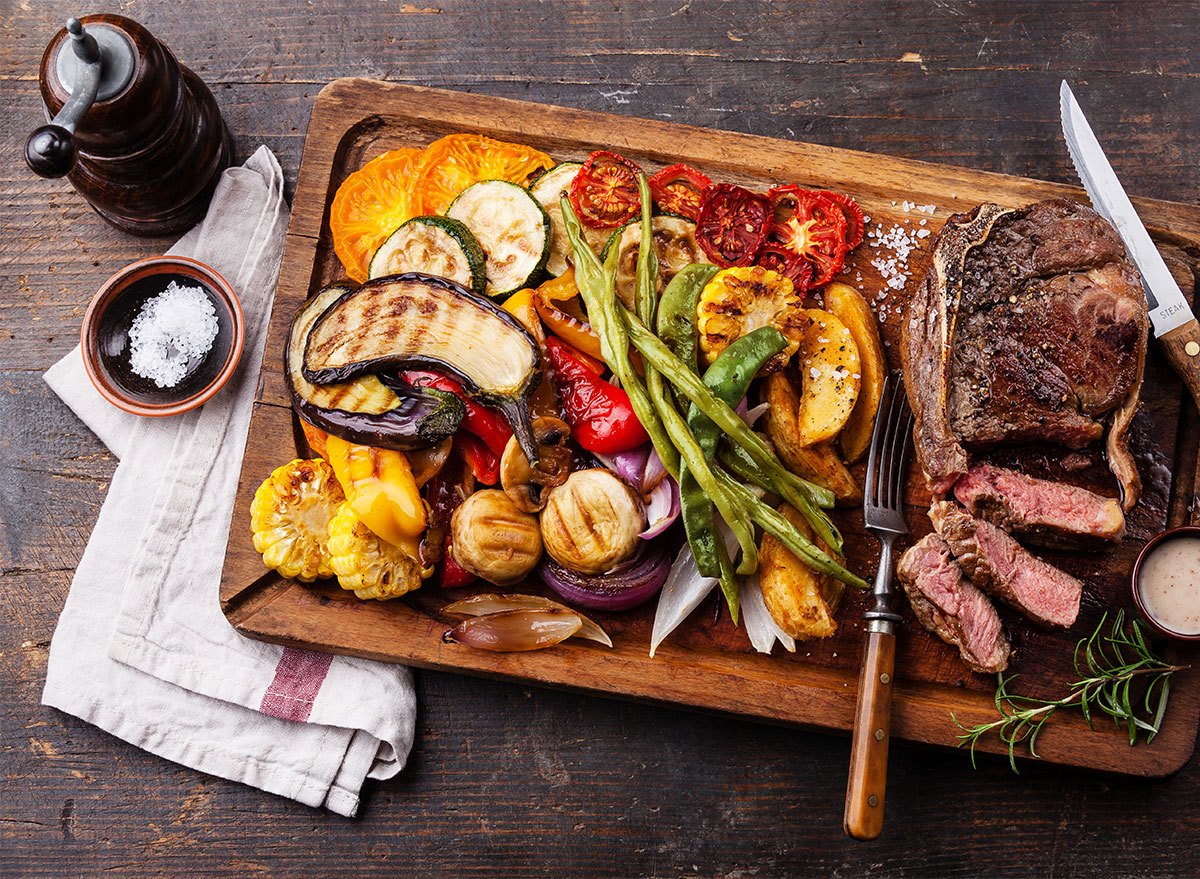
{"x":1000,"y":566}
{"x":1038,"y":510}
{"x":1030,"y":326}
{"x":947,"y":604}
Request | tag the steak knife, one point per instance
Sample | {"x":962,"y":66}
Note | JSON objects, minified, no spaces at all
{"x":1175,"y":327}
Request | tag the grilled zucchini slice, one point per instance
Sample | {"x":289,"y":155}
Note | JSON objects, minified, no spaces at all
{"x":363,"y":410}
{"x":512,"y":228}
{"x":549,"y":189}
{"x":674,"y":241}
{"x":424,"y":322}
{"x":435,"y":246}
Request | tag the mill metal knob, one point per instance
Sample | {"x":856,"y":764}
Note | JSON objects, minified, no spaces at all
{"x":95,"y":69}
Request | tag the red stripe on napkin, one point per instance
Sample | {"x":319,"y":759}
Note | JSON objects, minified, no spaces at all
{"x":298,"y":679}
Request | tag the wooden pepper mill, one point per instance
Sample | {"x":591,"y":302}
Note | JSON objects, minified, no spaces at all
{"x":137,"y":133}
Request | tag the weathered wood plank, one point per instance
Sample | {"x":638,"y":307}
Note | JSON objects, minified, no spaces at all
{"x":507,"y":780}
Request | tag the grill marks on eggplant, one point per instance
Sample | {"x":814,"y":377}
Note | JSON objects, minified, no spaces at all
{"x":363,"y":410}
{"x":416,"y":320}
{"x":420,"y":321}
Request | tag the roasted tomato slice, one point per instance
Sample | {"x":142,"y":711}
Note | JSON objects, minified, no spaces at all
{"x":811,"y":226}
{"x":732,"y":224}
{"x":369,"y":206}
{"x":605,"y":191}
{"x":855,"y":222}
{"x":679,"y":189}
{"x":452,"y":163}
{"x":792,"y":266}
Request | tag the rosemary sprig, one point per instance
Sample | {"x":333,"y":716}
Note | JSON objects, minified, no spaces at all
{"x":1107,"y":665}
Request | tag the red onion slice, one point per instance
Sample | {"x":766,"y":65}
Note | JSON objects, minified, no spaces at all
{"x":630,"y":465}
{"x":629,"y":584}
{"x":662,"y":508}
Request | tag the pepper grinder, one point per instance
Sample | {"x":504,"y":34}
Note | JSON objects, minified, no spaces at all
{"x":137,"y":133}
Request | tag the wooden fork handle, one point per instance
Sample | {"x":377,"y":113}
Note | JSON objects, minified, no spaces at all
{"x":867,"y":781}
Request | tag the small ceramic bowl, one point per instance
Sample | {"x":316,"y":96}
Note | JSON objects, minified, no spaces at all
{"x":105,"y":337}
{"x":1152,"y":621}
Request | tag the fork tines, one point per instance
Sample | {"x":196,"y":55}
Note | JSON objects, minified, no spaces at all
{"x":883,"y":495}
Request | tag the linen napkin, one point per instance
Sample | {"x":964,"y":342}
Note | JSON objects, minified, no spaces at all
{"x":142,"y":649}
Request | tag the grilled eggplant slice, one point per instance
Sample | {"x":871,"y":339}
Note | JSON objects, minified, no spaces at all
{"x":424,"y":322}
{"x":363,"y":410}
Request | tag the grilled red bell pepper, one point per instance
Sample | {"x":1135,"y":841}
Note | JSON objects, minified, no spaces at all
{"x":484,"y":463}
{"x":489,"y":426}
{"x":451,"y":575}
{"x":600,"y":414}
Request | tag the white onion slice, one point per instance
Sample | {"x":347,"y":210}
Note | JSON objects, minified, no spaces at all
{"x":760,"y":625}
{"x":683,"y":591}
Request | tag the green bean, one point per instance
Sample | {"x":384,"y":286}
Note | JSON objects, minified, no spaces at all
{"x":729,"y":378}
{"x":686,"y":381}
{"x":774,"y":523}
{"x":593,"y":280}
{"x":800,"y":493}
{"x":677,"y":311}
{"x":698,"y":466}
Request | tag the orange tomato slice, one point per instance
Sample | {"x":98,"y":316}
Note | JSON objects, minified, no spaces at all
{"x":369,"y":206}
{"x":454,"y":162}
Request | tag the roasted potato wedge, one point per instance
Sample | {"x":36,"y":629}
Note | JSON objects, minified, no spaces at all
{"x":801,"y":601}
{"x":828,"y":363}
{"x":853,"y":310}
{"x":818,"y":463}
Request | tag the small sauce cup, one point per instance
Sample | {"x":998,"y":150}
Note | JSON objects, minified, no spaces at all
{"x":104,"y":337}
{"x":1139,"y":569}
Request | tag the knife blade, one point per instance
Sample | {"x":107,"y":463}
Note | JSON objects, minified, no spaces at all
{"x":1170,"y":315}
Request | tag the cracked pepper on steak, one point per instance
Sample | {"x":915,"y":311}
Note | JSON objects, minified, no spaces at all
{"x":1030,"y":326}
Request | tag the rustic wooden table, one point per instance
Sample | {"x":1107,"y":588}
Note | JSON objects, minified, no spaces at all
{"x":506,"y":779}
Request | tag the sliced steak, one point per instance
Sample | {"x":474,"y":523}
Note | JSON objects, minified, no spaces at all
{"x":1039,"y":510}
{"x":1000,"y":566}
{"x":947,"y":604}
{"x":1030,"y":326}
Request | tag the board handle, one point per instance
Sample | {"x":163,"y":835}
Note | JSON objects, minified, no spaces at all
{"x":867,"y":781}
{"x":1182,"y":347}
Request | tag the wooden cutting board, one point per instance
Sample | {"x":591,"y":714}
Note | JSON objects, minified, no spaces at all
{"x":707,"y":663}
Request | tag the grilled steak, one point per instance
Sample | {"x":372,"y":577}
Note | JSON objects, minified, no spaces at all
{"x":1038,"y":510}
{"x":1030,"y":326}
{"x":999,"y":565}
{"x":948,"y":605}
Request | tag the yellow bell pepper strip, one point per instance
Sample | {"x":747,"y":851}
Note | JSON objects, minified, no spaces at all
{"x":379,"y":487}
{"x":521,"y":305}
{"x":575,"y":332}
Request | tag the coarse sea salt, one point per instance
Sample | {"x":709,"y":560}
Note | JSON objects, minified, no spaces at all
{"x":169,"y":331}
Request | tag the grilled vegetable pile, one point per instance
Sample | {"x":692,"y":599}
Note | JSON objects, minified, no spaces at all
{"x":534,"y":375}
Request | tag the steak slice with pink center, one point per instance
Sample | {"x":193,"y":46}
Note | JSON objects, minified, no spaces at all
{"x":1038,"y":510}
{"x":947,"y":604}
{"x":1000,"y":566}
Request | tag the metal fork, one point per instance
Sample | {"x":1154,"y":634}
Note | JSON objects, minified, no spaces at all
{"x":883,"y":515}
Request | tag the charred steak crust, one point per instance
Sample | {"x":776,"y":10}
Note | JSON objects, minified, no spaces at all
{"x":926,"y":336}
{"x":950,"y":606}
{"x":1038,"y":510}
{"x":1031,"y":325}
{"x":1000,"y":566}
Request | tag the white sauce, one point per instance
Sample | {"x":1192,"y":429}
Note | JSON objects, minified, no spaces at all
{"x":1169,"y":584}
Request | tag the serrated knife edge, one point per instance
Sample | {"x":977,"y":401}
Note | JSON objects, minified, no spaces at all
{"x":1167,"y":307}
